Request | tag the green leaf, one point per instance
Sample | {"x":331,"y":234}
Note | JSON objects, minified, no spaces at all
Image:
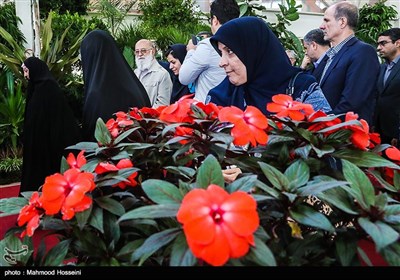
{"x":187,"y":172}
{"x":151,"y":211}
{"x":360,"y":186}
{"x":261,"y":254}
{"x":110,"y":205}
{"x":303,"y":151}
{"x":102,"y":134}
{"x":83,"y":217}
{"x":277,"y":179}
{"x":345,"y":250}
{"x":382,"y":181}
{"x":12,"y":205}
{"x":364,"y":159}
{"x":181,"y":255}
{"x":129,"y":248}
{"x":11,"y":243}
{"x":325,"y":149}
{"x":209,"y":172}
{"x":112,"y":231}
{"x":57,"y":254}
{"x":396,"y":180}
{"x":392,"y":254}
{"x":96,"y":220}
{"x":381,"y":233}
{"x":339,"y":198}
{"x":155,"y":242}
{"x":318,"y":186}
{"x":308,"y":216}
{"x":246,"y":184}
{"x":162,"y":192}
{"x":340,"y":125}
{"x":298,"y":174}
{"x":272,"y":192}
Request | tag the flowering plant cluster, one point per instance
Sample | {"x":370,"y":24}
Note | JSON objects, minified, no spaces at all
{"x":315,"y":189}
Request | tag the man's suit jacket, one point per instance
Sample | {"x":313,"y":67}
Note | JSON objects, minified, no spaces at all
{"x":349,"y":83}
{"x":387,"y":115}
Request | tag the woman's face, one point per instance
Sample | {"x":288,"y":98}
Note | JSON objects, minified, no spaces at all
{"x":174,"y":64}
{"x":26,"y":71}
{"x":233,"y":66}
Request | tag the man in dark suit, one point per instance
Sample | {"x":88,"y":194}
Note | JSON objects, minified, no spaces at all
{"x":349,"y":77}
{"x":387,"y":115}
{"x":315,"y":59}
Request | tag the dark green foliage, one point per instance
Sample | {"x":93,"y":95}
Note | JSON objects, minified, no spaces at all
{"x":9,"y":21}
{"x":289,"y":40}
{"x":62,"y":6}
{"x":375,"y":19}
{"x":176,"y":13}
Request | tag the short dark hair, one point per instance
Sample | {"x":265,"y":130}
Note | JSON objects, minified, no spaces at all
{"x":349,"y":11}
{"x":224,"y":10}
{"x":317,"y":36}
{"x":393,"y":33}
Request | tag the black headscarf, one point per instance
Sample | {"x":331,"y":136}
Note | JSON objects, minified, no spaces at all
{"x":178,"y":90}
{"x":110,"y":83}
{"x":268,"y":67}
{"x":49,"y":126}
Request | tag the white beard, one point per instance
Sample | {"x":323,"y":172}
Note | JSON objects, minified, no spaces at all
{"x":144,"y":63}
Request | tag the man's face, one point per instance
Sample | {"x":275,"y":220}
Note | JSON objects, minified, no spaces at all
{"x":387,"y":48}
{"x":310,"y":50}
{"x":143,"y":49}
{"x":330,"y":25}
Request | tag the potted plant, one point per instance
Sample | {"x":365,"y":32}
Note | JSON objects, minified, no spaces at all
{"x":314,"y":190}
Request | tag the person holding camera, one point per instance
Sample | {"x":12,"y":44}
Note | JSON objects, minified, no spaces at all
{"x":201,"y":62}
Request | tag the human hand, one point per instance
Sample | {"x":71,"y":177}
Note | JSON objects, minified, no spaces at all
{"x":190,"y":45}
{"x":306,"y":61}
{"x":231,"y":174}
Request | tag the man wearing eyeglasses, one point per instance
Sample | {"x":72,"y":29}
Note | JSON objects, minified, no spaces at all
{"x":349,"y":77}
{"x":387,"y":115}
{"x":155,"y":79}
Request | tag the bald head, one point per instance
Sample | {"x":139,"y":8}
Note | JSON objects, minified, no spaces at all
{"x":347,"y":10}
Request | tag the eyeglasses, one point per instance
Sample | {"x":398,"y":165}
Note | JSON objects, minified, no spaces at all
{"x":142,"y":51}
{"x":383,"y":43}
{"x":210,"y":19}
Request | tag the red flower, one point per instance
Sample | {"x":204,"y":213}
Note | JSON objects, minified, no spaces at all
{"x":30,"y":214}
{"x":319,"y":125}
{"x":360,"y":136}
{"x":393,"y":153}
{"x":210,"y":109}
{"x":183,"y":131}
{"x":248,"y":126}
{"x":126,"y":163}
{"x":284,"y":106}
{"x":67,"y":193}
{"x":180,"y":111}
{"x":104,"y":167}
{"x":218,"y":225}
{"x":77,"y":162}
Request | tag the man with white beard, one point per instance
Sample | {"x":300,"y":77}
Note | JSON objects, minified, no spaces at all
{"x":155,"y":79}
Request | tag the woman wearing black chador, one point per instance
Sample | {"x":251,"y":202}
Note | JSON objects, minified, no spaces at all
{"x":49,"y":125}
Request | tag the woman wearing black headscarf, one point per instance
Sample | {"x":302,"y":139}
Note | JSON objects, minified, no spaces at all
{"x":267,"y":68}
{"x":49,"y":125}
{"x":176,"y":55}
{"x":110,"y":83}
